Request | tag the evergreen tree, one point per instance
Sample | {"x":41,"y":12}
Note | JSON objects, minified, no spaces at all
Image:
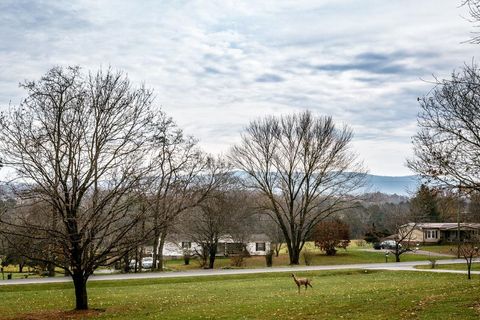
{"x":424,"y":204}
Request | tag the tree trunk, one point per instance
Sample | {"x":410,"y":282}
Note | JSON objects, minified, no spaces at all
{"x":469,"y":268}
{"x":156,"y":240}
{"x":212,"y":256}
{"x":126,"y":261}
{"x":81,"y":299}
{"x":160,"y":251}
{"x":136,"y":260}
{"x":20,"y":267}
{"x":51,"y":270}
{"x":277,"y":249}
{"x":397,"y":251}
{"x":294,"y":254}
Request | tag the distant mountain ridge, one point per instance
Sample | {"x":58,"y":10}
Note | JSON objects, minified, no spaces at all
{"x":402,"y":185}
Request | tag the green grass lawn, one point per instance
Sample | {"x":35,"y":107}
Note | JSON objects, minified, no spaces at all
{"x":444,"y":249}
{"x":352,"y":255}
{"x":453,"y":266}
{"x":26,"y":272}
{"x":335,"y":295}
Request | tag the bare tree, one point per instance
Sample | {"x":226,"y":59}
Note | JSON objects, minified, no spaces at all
{"x":469,"y":249}
{"x":222,"y":214}
{"x":181,"y":178}
{"x":404,"y":239}
{"x":447,"y":144}
{"x":303,"y":167}
{"x":474,"y":11}
{"x":78,"y":143}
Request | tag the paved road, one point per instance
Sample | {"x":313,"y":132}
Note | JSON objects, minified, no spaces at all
{"x":397,"y":266}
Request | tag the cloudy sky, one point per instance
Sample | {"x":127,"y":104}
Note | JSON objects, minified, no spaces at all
{"x":216,"y":65}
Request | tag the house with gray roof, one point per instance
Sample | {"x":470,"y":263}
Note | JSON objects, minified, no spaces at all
{"x":431,"y":233}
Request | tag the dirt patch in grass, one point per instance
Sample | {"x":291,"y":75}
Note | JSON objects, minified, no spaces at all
{"x":58,"y":315}
{"x":475,"y":306}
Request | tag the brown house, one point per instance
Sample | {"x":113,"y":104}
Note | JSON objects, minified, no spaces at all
{"x":439,"y":232}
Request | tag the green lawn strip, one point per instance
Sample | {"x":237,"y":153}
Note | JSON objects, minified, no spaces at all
{"x":351,"y":256}
{"x":443,"y":249}
{"x":452,"y":266}
{"x":353,"y":294}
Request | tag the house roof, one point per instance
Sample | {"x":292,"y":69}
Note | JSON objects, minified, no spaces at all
{"x":444,"y":225}
{"x":258,"y":237}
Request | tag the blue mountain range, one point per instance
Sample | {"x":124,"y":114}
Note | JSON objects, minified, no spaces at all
{"x":404,"y":185}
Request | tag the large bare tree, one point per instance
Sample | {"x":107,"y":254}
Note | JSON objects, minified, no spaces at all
{"x":77,"y":144}
{"x":181,"y":178}
{"x":304,"y":168}
{"x":447,"y":144}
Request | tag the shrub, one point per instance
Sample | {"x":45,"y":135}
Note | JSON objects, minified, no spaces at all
{"x":240,"y":259}
{"x":307,"y":257}
{"x":330,"y":234}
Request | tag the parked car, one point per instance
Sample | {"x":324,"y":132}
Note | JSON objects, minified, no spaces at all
{"x":377,"y":246}
{"x":389,"y":244}
{"x":147,"y":263}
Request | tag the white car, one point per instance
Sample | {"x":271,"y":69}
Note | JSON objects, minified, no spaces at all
{"x":147,"y":263}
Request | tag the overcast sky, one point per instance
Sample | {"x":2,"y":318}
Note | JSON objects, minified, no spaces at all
{"x":216,"y":65}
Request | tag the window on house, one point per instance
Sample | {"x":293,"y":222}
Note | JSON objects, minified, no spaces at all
{"x":260,"y":246}
{"x":431,"y":234}
{"x":186,"y":245}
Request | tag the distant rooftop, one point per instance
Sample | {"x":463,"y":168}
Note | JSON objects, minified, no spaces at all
{"x":445,"y":225}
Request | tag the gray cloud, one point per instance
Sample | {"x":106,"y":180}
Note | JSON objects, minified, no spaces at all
{"x":217,"y":65}
{"x":374,"y":62}
{"x":268,"y":77}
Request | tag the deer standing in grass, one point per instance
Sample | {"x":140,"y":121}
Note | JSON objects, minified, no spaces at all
{"x":302,"y":282}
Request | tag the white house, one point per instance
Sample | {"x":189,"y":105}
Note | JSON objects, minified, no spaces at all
{"x":256,"y":245}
